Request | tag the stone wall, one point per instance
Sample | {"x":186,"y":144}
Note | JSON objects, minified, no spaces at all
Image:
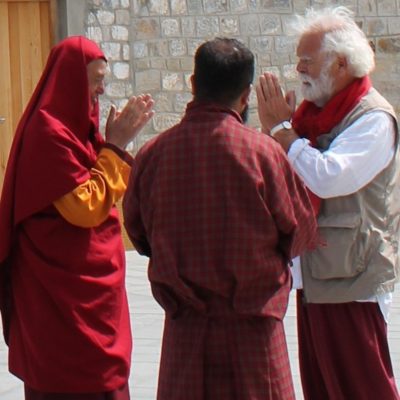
{"x":150,"y":45}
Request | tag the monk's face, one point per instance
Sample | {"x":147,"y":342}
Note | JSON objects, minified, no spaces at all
{"x":97,"y":70}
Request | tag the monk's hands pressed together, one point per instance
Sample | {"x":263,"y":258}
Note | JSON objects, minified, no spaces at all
{"x":123,"y":126}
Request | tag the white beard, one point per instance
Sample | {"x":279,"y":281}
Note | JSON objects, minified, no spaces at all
{"x":318,"y":90}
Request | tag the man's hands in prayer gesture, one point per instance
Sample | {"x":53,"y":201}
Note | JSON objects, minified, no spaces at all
{"x":123,"y":126}
{"x":274,"y":108}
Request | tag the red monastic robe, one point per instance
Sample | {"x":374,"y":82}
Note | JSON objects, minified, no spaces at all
{"x":62,"y":293}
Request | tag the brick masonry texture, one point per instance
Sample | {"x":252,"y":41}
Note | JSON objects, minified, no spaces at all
{"x":150,"y":46}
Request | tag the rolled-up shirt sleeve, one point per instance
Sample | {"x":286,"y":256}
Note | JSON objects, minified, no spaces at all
{"x":353,"y":159}
{"x":89,"y":204}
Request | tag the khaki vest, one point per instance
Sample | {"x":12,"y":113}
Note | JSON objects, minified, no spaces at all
{"x":359,"y":257}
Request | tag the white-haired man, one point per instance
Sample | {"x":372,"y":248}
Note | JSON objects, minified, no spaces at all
{"x":343,"y":141}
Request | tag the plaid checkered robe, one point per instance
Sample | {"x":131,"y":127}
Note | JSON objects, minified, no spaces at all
{"x":220,"y":212}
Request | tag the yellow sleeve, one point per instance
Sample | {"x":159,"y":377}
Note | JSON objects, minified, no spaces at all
{"x":89,"y":204}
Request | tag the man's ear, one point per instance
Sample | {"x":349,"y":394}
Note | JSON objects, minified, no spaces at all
{"x":244,"y":97}
{"x":193,"y":86}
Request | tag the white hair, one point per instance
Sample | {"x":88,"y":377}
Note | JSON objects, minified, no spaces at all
{"x":341,"y":36}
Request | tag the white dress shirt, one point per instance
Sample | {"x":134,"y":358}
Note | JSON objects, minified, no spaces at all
{"x":353,"y":160}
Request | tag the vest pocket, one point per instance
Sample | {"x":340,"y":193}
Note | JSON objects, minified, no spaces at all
{"x":340,"y":255}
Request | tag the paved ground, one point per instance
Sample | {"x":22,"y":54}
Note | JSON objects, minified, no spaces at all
{"x":147,"y":322}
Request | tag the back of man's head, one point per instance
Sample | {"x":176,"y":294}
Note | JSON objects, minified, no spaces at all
{"x":223,"y":69}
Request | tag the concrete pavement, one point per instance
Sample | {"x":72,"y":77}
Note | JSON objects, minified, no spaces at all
{"x":147,"y":324}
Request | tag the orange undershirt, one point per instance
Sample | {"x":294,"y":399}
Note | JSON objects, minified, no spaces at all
{"x":89,"y":204}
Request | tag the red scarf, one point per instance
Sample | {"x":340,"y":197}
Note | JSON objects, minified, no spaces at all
{"x":311,"y":121}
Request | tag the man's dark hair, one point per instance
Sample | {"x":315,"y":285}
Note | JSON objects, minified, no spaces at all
{"x":223,"y":68}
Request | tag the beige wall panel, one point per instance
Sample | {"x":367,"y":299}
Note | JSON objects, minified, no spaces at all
{"x":15,"y":64}
{"x":25,"y":41}
{"x":45,"y":31}
{"x":5,"y":90}
{"x":29,"y":50}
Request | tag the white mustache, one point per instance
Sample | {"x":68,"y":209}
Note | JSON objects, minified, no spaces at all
{"x":304,"y":78}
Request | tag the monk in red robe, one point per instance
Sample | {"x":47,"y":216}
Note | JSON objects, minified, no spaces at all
{"x":62,"y":294}
{"x":220,"y":212}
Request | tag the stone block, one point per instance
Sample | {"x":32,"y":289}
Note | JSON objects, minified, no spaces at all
{"x":112,"y":50}
{"x":163,"y":102}
{"x":282,"y":58}
{"x":290,"y":72}
{"x":172,"y":81}
{"x":187,"y":63}
{"x":158,"y":7}
{"x":375,"y":26}
{"x":159,"y":48}
{"x":261,"y":44}
{"x":173,"y":64}
{"x":287,"y":22}
{"x":249,"y":25}
{"x":126,"y":52}
{"x":276,"y":5}
{"x":387,"y":7}
{"x":170,"y":27}
{"x":253,"y":121}
{"x":195,"y":7}
{"x":119,"y":32}
{"x":158,"y":63}
{"x":388,"y":45}
{"x":253,"y":5}
{"x":106,"y":30}
{"x":188,"y":26}
{"x":141,"y":64}
{"x":147,"y":80}
{"x":273,"y":70}
{"x":146,"y":28}
{"x":253,"y":95}
{"x":91,"y":19}
{"x":162,"y":122}
{"x":207,"y":26}
{"x":105,"y":17}
{"x":187,"y":77}
{"x":116,"y":89}
{"x":215,"y":6}
{"x":299,"y":6}
{"x":140,"y":49}
{"x":122,"y":17}
{"x":121,"y":70}
{"x":393,"y":25}
{"x":263,"y":59}
{"x":285,"y":44}
{"x":94,"y":33}
{"x":229,"y":26}
{"x":177,"y":47}
{"x":270,"y":24}
{"x":140,"y":8}
{"x":181,"y":101}
{"x":114,"y":4}
{"x":238,"y":6}
{"x":366,"y":8}
{"x":193,"y":44}
{"x":178,"y":7}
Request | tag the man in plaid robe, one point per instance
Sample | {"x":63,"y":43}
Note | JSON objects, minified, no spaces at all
{"x":220,"y":212}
